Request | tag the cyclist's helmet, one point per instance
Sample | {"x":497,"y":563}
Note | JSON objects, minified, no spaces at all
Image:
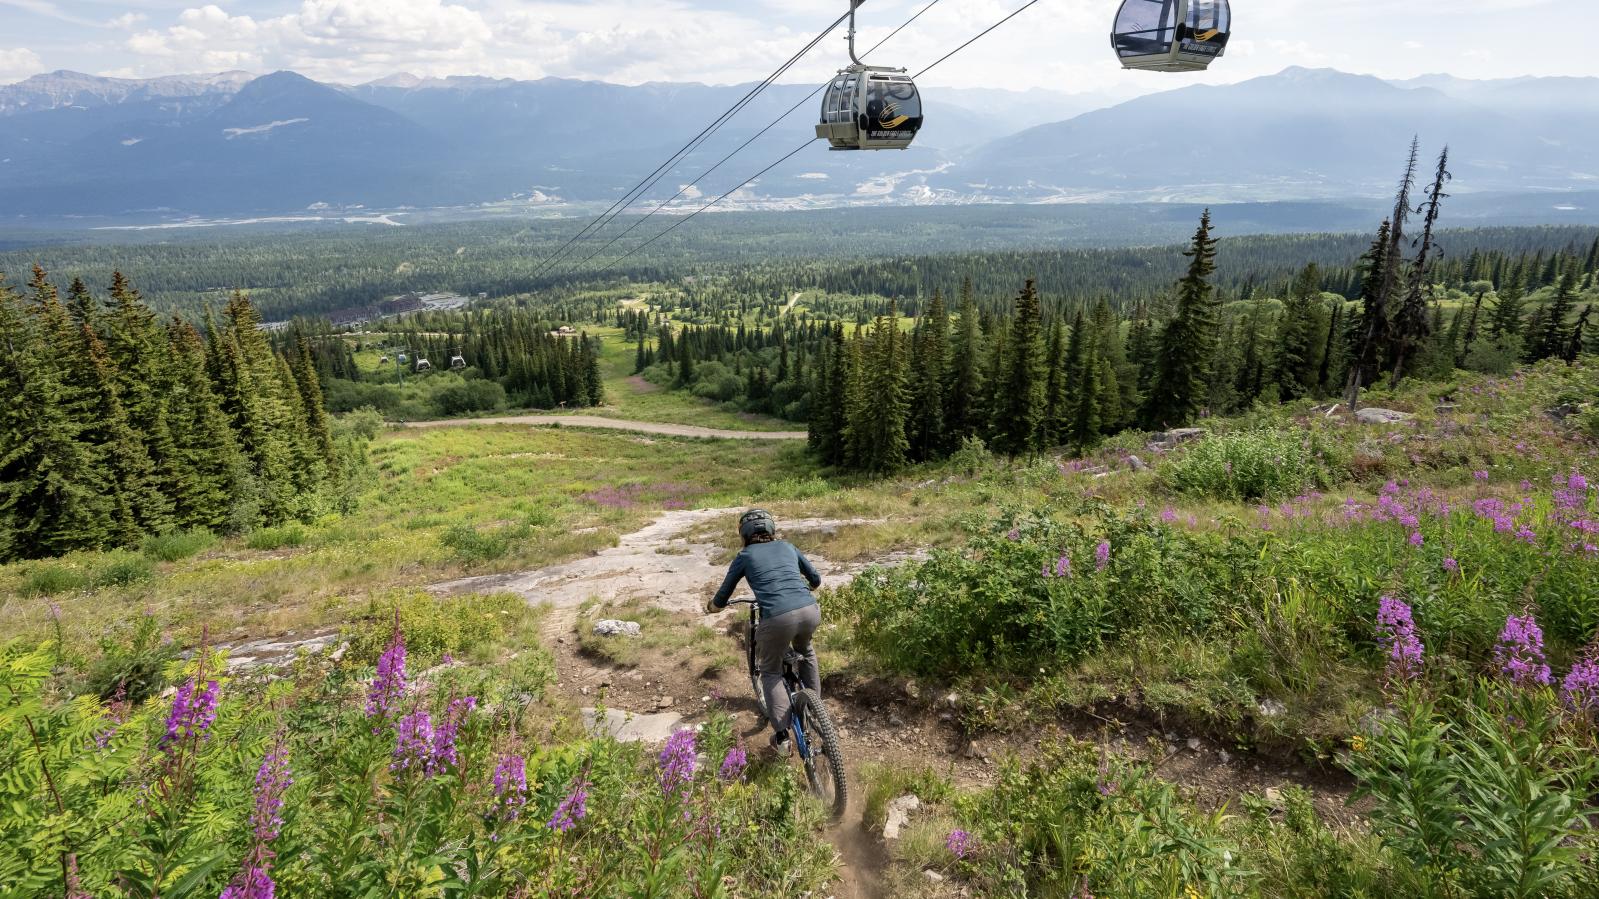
{"x":757,"y":521}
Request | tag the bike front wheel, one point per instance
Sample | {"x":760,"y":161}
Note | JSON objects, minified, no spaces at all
{"x":824,"y":769}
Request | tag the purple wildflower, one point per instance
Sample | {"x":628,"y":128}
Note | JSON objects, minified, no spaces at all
{"x":389,"y":686}
{"x":734,"y":763}
{"x":1168,"y":514}
{"x":1519,"y":654}
{"x":1013,"y":535}
{"x":1452,"y":565}
{"x":510,"y":787}
{"x":413,"y":750}
{"x":254,"y":883}
{"x":959,"y":844}
{"x":1396,"y":633}
{"x":574,"y":808}
{"x":1416,"y":539}
{"x":192,"y":715}
{"x":1480,"y":475}
{"x":1577,"y":482}
{"x":271,"y":781}
{"x":444,"y":752}
{"x":1063,"y":566}
{"x":1581,"y":687}
{"x":678,"y":761}
{"x":1102,"y":555}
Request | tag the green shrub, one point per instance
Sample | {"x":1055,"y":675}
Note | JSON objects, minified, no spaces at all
{"x":283,"y":537}
{"x":177,"y":545}
{"x":473,"y":396}
{"x":132,"y":663}
{"x":123,"y":569}
{"x":53,"y":579}
{"x":365,"y":423}
{"x":1252,"y":465}
{"x":472,"y":545}
{"x":435,"y":625}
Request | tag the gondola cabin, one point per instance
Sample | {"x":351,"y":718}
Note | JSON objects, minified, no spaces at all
{"x":1171,"y":35}
{"x":423,"y":365}
{"x":871,"y":108}
{"x":457,"y":363}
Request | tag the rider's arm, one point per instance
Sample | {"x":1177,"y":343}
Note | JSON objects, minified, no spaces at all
{"x":735,"y":573}
{"x":812,"y":576}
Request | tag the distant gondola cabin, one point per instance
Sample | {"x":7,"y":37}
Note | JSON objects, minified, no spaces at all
{"x":1172,"y":35}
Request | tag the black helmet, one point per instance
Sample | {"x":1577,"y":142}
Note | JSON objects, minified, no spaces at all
{"x":756,"y":521}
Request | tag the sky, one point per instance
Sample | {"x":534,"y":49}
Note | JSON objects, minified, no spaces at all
{"x":1057,"y":44}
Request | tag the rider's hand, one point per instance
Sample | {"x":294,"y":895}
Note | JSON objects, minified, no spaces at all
{"x":711,"y":608}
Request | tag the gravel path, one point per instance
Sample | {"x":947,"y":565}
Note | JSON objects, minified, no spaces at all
{"x":612,"y":424}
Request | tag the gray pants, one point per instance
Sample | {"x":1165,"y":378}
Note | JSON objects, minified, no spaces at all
{"x":773,"y":638}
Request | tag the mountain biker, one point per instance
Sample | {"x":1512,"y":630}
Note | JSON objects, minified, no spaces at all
{"x":782,"y":580}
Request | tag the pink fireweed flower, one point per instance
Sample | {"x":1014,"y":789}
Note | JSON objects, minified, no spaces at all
{"x":733,"y":764}
{"x":413,"y":750}
{"x":1577,"y":482}
{"x":388,"y":687}
{"x":253,"y":883}
{"x":1396,"y":633}
{"x":1102,"y":555}
{"x":510,"y":787}
{"x":678,"y":762}
{"x":1063,"y":567}
{"x":1480,"y":475}
{"x":1519,"y":653}
{"x":1013,"y":535}
{"x":444,"y":752}
{"x":574,"y":808}
{"x":1452,"y":566}
{"x":192,"y":714}
{"x":959,"y":844}
{"x":271,"y":782}
{"x":1416,"y":539}
{"x":1168,"y":514}
{"x":1581,"y":687}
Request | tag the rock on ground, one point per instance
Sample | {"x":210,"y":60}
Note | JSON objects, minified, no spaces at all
{"x":1372,"y":416}
{"x":899,"y":814}
{"x":625,"y":728}
{"x":610,"y":627}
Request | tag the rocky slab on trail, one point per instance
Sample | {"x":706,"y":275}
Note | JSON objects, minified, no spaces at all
{"x":625,"y":728}
{"x":659,"y":564}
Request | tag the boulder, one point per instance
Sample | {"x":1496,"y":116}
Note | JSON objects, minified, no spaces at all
{"x":899,"y":814}
{"x":1375,"y":416}
{"x":610,"y":627}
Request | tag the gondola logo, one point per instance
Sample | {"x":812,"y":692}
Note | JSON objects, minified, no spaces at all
{"x":1207,"y":35}
{"x":891,"y":119}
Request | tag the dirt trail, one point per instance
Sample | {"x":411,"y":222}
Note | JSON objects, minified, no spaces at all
{"x":664,"y":566}
{"x":611,"y":424}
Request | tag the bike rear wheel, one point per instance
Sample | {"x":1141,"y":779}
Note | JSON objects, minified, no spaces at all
{"x":824,"y":770}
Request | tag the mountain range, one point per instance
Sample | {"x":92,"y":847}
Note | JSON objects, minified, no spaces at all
{"x":232,"y":144}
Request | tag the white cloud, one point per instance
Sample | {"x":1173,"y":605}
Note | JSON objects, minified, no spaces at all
{"x":18,"y":64}
{"x":128,"y":21}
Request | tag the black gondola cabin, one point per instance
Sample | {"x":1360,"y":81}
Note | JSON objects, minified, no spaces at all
{"x":1171,"y":35}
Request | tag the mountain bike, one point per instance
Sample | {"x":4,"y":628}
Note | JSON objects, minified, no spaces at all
{"x":814,"y":735}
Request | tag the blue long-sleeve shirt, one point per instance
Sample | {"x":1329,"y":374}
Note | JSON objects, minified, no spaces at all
{"x":778,"y":573}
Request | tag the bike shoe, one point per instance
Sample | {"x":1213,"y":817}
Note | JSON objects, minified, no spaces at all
{"x":781,"y":747}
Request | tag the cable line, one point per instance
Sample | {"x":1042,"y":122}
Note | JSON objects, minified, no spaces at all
{"x":980,"y":36}
{"x":741,"y":147}
{"x":795,"y":152}
{"x":665,"y":167}
{"x":790,"y":155}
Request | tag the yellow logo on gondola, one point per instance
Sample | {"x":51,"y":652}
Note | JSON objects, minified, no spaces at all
{"x":889,"y":119}
{"x":1208,"y":35}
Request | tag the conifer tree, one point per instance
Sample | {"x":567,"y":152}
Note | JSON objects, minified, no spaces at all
{"x":883,"y":445}
{"x":1411,"y":326}
{"x":1056,"y":395}
{"x":857,"y":451}
{"x":311,"y":402}
{"x":52,"y":496}
{"x":1083,"y":423}
{"x":1331,"y":358}
{"x":217,"y":492}
{"x":1019,"y":416}
{"x":961,"y":419}
{"x":1578,"y":338}
{"x":1250,"y":380}
{"x":1179,"y":390}
{"x":1507,"y":311}
{"x":1298,"y":334}
{"x":1551,"y":342}
{"x":927,"y":409}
